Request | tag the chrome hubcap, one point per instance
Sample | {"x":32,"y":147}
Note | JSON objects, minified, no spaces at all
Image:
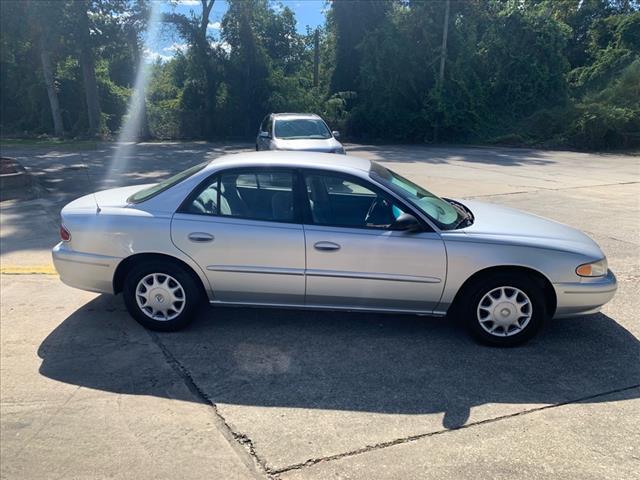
{"x":160,"y":296}
{"x":504,"y":311}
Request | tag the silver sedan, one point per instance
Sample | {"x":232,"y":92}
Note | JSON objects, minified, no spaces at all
{"x":320,"y":231}
{"x":302,"y":132}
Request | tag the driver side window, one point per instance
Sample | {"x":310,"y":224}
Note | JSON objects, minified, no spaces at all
{"x":346,"y":202}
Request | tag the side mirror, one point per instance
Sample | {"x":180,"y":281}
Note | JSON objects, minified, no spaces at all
{"x":336,"y":134}
{"x":407,"y":223}
{"x":264,"y":135}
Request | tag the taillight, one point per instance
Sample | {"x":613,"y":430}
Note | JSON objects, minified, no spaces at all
{"x":65,"y":235}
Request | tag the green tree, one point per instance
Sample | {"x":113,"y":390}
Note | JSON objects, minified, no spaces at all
{"x":352,"y":20}
{"x":205,"y":79}
{"x":248,"y":66}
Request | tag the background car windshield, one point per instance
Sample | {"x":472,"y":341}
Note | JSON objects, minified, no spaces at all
{"x":147,"y":193}
{"x":442,"y":212}
{"x":302,"y":128}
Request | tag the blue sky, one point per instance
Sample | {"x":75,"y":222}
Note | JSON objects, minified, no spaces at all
{"x":307,"y":12}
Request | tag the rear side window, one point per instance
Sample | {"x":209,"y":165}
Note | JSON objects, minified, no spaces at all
{"x":154,"y":190}
{"x":257,"y":195}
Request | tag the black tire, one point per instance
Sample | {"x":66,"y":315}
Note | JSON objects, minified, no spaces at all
{"x":192,"y":294}
{"x":469,"y":302}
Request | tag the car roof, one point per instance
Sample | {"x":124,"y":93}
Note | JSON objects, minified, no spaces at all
{"x":330,"y":161}
{"x":295,"y":115}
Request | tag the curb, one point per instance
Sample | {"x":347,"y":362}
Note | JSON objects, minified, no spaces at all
{"x":20,"y":184}
{"x":16,"y":179}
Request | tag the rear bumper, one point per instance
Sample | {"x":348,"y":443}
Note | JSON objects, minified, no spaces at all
{"x":84,"y":270}
{"x":581,"y":298}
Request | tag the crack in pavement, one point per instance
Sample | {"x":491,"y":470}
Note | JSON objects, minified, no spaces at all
{"x":242,"y":444}
{"x":413,"y":438}
{"x":239,"y":442}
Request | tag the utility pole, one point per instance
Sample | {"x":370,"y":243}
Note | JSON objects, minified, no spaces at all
{"x":445,"y":34}
{"x":316,"y":57}
{"x":443,"y":56}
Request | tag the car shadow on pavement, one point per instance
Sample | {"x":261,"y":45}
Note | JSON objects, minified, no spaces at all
{"x":393,"y":364}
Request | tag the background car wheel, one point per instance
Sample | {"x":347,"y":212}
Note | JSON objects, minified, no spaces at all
{"x":161,"y":296}
{"x":503,"y":309}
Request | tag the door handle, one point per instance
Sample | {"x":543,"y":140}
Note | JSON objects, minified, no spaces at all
{"x":200,"y":237}
{"x":326,"y":246}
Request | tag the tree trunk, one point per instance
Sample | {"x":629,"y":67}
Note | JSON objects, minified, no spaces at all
{"x":88,"y":71}
{"x":203,"y":52}
{"x":443,"y":57}
{"x":316,"y":58}
{"x":143,"y":132}
{"x":47,"y":72}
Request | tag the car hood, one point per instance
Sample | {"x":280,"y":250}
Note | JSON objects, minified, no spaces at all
{"x":114,"y":197}
{"x":309,"y":145}
{"x":507,"y":225}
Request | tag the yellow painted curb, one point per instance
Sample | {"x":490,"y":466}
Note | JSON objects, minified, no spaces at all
{"x":28,"y":270}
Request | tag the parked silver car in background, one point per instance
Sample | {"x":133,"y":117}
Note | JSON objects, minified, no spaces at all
{"x":305,"y":132}
{"x":321,"y":231}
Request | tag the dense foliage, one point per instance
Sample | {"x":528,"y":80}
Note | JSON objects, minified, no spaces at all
{"x":544,"y":72}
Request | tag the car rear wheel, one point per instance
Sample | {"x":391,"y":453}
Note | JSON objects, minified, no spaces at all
{"x":503,"y":309}
{"x":161,"y":296}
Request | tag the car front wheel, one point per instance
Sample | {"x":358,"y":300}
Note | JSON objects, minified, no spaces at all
{"x":161,"y":296}
{"x":504,"y":309}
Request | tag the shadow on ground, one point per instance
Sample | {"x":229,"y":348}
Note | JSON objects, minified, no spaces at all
{"x":343,"y":361}
{"x":508,"y":157}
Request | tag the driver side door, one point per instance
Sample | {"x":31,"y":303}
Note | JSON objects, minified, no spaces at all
{"x":355,"y":259}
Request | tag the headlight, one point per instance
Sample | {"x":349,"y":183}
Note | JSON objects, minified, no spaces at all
{"x":594,"y":269}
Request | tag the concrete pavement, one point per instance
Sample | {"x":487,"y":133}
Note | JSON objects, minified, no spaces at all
{"x":87,"y":393}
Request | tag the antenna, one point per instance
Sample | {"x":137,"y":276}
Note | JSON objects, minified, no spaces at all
{"x":93,"y":192}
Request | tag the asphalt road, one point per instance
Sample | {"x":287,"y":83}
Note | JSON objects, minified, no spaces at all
{"x":257,"y":393}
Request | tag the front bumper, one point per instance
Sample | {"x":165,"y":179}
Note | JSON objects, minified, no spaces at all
{"x":84,"y":270}
{"x":582,"y":298}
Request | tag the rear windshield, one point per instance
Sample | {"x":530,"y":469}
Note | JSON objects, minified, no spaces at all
{"x":300,"y":128}
{"x":149,"y":192}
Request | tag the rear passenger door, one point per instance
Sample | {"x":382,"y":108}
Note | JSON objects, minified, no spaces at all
{"x":243,"y":228}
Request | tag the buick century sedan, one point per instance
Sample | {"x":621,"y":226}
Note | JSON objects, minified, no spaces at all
{"x":322,"y":231}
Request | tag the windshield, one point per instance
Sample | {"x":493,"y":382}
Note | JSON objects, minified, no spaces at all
{"x":149,"y":192}
{"x":445,"y":215}
{"x":299,"y":128}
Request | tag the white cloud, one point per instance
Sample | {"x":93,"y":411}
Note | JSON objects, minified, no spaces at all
{"x":213,"y":26}
{"x":223,"y":45}
{"x":176,"y":47}
{"x":152,"y":57}
{"x":189,"y":3}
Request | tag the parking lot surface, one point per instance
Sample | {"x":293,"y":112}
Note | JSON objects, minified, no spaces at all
{"x":257,"y":393}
